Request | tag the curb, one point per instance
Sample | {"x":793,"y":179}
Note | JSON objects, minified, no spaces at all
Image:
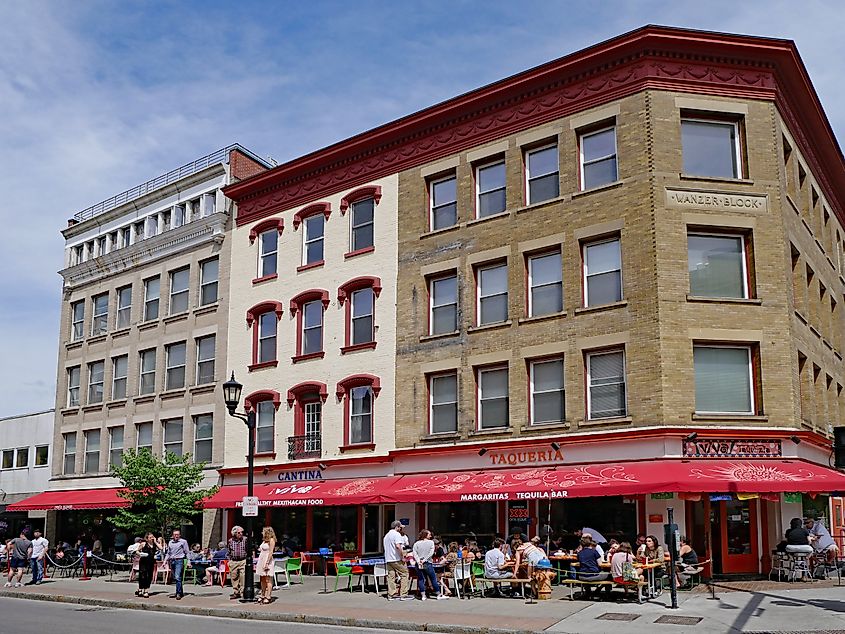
{"x":279,"y":617}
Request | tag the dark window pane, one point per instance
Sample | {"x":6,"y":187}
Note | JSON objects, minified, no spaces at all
{"x":543,"y":188}
{"x":600,"y":173}
{"x":607,"y":401}
{"x":444,"y":319}
{"x":362,"y":237}
{"x":716,"y":266}
{"x":548,"y":407}
{"x":444,"y":418}
{"x":709,"y":148}
{"x":314,"y":252}
{"x":546,"y":300}
{"x":313,"y":341}
{"x":604,"y":288}
{"x":491,"y":203}
{"x":494,"y":413}
{"x":362,"y":212}
{"x":598,"y":145}
{"x":445,"y":216}
{"x":494,"y":309}
{"x":362,"y":330}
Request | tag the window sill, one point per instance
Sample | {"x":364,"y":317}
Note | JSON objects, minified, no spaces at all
{"x":261,"y":366}
{"x":308,"y":357}
{"x":532,"y":206}
{"x":370,"y":446}
{"x":97,"y":338}
{"x":370,"y":345}
{"x":208,"y":308}
{"x":203,"y":389}
{"x":175,"y":393}
{"x":730,"y":417}
{"x":498,"y":324}
{"x":94,"y":407}
{"x":172,"y":319}
{"x":353,"y":254}
{"x":437,"y":232}
{"x":70,"y":411}
{"x":529,"y":320}
{"x":148,"y":325}
{"x":597,"y":309}
{"x":615,"y":420}
{"x":120,"y":333}
{"x":308,"y":267}
{"x":146,"y":398}
{"x":598,"y":188}
{"x":753,"y":301}
{"x":266,"y":454}
{"x":541,"y":427}
{"x":266,"y":278}
{"x":118,"y":402}
{"x":441,"y":335}
{"x":715,"y":179}
{"x":445,"y":436}
{"x":501,"y":214}
{"x":71,"y":345}
{"x":495,"y":431}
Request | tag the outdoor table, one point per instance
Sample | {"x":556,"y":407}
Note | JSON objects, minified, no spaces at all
{"x":200,"y":566}
{"x":325,"y":557}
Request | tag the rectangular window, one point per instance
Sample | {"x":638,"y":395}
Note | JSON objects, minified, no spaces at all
{"x":100,"y":318}
{"x":313,"y":228}
{"x":443,"y":394}
{"x":125,"y":237}
{"x":69,"y":462}
{"x":78,"y":255}
{"x":116,"y":446}
{"x":266,"y":337}
{"x":152,"y":293}
{"x":203,"y":437}
{"x":711,"y":148}
{"x":598,"y":158}
{"x":717,"y":265}
{"x":152,"y":226}
{"x":493,"y":398}
{"x":124,"y":307}
{"x":22,"y":458}
{"x":268,"y":248}
{"x":545,"y":284}
{"x":362,"y":316}
{"x":443,"y":292}
{"x":606,"y":390}
{"x":313,"y":413}
{"x":602,"y":273}
{"x":362,"y":224}
{"x":42,"y":455}
{"x":492,"y":284}
{"x":179,"y":281}
{"x":8,"y":458}
{"x":444,"y":203}
{"x":541,"y":174}
{"x":139,"y":231}
{"x":208,"y":204}
{"x":73,"y":380}
{"x":101,"y":246}
{"x":361,"y":415}
{"x":120,"y":370}
{"x":176,"y":357}
{"x":172,"y":436}
{"x":194,"y":210}
{"x":205,"y":359}
{"x":96,"y":374}
{"x":77,"y":311}
{"x":724,"y":380}
{"x":92,"y":451}
{"x":547,"y":391}
{"x":312,"y":327}
{"x":490,"y":189}
{"x":209,"y":274}
{"x":179,"y":216}
{"x":144,"y":436}
{"x":147,"y":383}
{"x":265,"y":427}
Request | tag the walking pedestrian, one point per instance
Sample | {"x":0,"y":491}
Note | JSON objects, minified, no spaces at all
{"x":39,"y":551}
{"x":146,"y":552}
{"x":18,"y":553}
{"x":177,"y":554}
{"x":265,"y":564}
{"x":394,"y":559}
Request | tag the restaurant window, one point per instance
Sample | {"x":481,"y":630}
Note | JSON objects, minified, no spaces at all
{"x":545,"y":284}
{"x":42,"y":455}
{"x":209,"y":276}
{"x":203,"y":437}
{"x":172,"y":437}
{"x":443,"y":396}
{"x":175,"y":370}
{"x":362,"y":224}
{"x":724,"y":379}
{"x":711,"y":147}
{"x":313,"y":239}
{"x":491,"y":189}
{"x":547,"y":391}
{"x":73,"y":378}
{"x":598,"y":157}
{"x":541,"y":174}
{"x":265,"y":427}
{"x":492,"y":290}
{"x":116,"y":446}
{"x":77,"y":311}
{"x":144,"y":436}
{"x":717,"y":265}
{"x":456,"y":522}
{"x":333,"y":526}
{"x":492,"y":397}
{"x":602,"y":272}
{"x":443,"y":295}
{"x":179,"y":281}
{"x":22,"y":458}
{"x":152,"y":294}
{"x":92,"y":451}
{"x":100,"y":317}
{"x":147,"y":364}
{"x":124,"y":307}
{"x":120,"y":370}
{"x":443,"y":195}
{"x":69,"y":454}
{"x":205,"y":359}
{"x":96,"y":374}
{"x":606,"y":389}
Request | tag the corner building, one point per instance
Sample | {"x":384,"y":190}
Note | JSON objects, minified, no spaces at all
{"x":619,"y":289}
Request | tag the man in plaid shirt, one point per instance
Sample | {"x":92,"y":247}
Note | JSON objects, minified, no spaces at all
{"x":237,"y":561}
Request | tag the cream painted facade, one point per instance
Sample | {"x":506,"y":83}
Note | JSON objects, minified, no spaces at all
{"x":338,"y":268}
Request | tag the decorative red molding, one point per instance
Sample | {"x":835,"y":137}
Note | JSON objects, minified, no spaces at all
{"x":264,"y":307}
{"x":266,"y":278}
{"x":356,"y":284}
{"x":370,"y":345}
{"x":311,"y":295}
{"x":308,"y":357}
{"x":313,"y":265}
{"x":370,"y":191}
{"x":252,"y":401}
{"x":264,"y":364}
{"x":352,"y":254}
{"x":266,"y":225}
{"x":311,"y":210}
{"x":357,"y":380}
{"x":307,"y":386}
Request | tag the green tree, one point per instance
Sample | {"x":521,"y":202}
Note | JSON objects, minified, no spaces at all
{"x":162,"y":492}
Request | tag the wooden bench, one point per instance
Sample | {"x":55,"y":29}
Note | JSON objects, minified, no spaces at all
{"x":510,"y":580}
{"x":639,"y":585}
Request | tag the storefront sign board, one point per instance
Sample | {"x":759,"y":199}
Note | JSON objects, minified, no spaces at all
{"x":731,"y":448}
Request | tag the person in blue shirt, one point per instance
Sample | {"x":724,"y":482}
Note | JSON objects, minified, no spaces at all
{"x":588,"y":564}
{"x":219,"y":555}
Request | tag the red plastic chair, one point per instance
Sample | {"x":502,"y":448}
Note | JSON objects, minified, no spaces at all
{"x":223,"y":571}
{"x":306,"y":562}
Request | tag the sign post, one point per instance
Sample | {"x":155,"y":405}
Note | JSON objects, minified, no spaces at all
{"x":671,"y":537}
{"x":250,"y":506}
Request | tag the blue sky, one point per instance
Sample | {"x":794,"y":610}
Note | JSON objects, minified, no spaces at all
{"x":100,"y":96}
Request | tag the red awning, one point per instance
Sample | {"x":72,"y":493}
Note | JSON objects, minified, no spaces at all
{"x":69,"y":500}
{"x":307,"y":493}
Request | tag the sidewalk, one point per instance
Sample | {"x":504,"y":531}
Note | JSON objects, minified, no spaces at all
{"x":760,"y":607}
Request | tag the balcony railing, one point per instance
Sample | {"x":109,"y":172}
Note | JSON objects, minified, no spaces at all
{"x":306,"y":446}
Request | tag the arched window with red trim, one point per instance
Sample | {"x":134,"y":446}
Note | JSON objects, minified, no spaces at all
{"x":267,"y":232}
{"x":307,"y":399}
{"x":358,"y":296}
{"x":313,"y":219}
{"x":265,"y":403}
{"x":309,"y":307}
{"x":263,"y":318}
{"x":358,"y":393}
{"x":362,"y":204}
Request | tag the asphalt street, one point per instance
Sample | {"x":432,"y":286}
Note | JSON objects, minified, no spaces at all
{"x":20,"y":616}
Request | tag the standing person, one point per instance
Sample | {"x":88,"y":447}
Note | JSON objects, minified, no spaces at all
{"x":177,"y":553}
{"x":423,"y":554}
{"x":394,"y":559}
{"x":237,"y":560}
{"x":265,"y":564}
{"x":146,"y":552}
{"x":39,"y":551}
{"x":18,"y":552}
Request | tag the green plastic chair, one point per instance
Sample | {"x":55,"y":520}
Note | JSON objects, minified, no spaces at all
{"x":292,"y":565}
{"x":477,"y":571}
{"x":344,"y":569}
{"x":186,"y":572}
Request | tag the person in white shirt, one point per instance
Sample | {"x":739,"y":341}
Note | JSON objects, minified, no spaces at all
{"x":39,"y":551}
{"x":394,"y":559}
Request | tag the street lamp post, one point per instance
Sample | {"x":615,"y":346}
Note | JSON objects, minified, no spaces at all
{"x":232,"y":396}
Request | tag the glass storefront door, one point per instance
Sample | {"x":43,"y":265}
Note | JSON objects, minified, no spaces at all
{"x":738,"y":522}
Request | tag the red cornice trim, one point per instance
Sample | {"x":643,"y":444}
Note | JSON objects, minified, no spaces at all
{"x":311,"y":210}
{"x":311,"y":295}
{"x":266,"y":225}
{"x":357,"y":380}
{"x":251,"y":401}
{"x":362,"y":193}
{"x":356,"y":284}
{"x":307,"y":386}
{"x":264,"y":307}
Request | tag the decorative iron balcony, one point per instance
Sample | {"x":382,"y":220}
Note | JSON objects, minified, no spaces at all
{"x":307,"y":446}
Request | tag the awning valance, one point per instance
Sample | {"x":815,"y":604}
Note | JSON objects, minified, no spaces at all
{"x":70,"y":500}
{"x":307,"y":493}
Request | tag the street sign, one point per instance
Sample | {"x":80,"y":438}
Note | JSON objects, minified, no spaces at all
{"x":250,"y":506}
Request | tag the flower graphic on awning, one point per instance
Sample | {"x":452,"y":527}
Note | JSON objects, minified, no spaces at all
{"x":748,"y":472}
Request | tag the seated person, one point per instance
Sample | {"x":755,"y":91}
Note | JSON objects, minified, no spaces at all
{"x":688,"y":564}
{"x":529,"y":553}
{"x":588,"y":560}
{"x":216,"y":557}
{"x":598,"y":548}
{"x":618,"y":560}
{"x":820,"y":538}
{"x":195,"y":554}
{"x":652,"y":551}
{"x":798,"y":538}
{"x":612,"y":547}
{"x":495,"y":566}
